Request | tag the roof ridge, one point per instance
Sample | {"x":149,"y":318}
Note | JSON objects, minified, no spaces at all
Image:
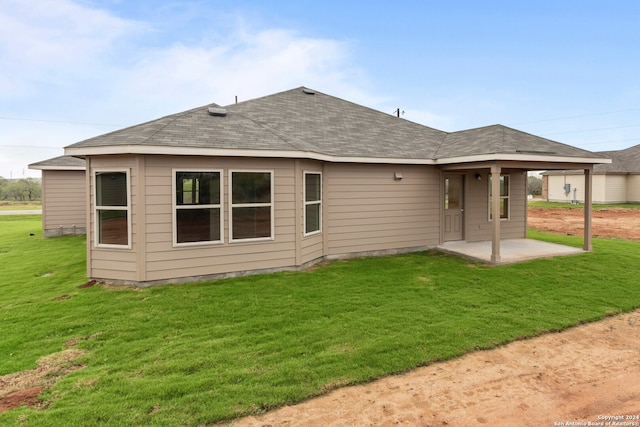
{"x":288,"y":139}
{"x":444,"y":137}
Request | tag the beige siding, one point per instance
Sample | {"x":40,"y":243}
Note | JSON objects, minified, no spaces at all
{"x":311,"y":247}
{"x":63,"y":202}
{"x":606,"y":188}
{"x":633,"y":188}
{"x":108,"y":263}
{"x":368,"y":210}
{"x":164,"y":261}
{"x":557,"y":183}
{"x":477,"y":224}
{"x":599,"y":188}
{"x":616,"y":188}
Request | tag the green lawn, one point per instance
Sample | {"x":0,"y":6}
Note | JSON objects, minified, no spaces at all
{"x":202,"y":353}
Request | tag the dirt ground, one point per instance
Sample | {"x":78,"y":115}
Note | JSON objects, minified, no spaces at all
{"x":23,"y":388}
{"x":614,"y":222}
{"x":580,"y":375}
{"x":587,"y":374}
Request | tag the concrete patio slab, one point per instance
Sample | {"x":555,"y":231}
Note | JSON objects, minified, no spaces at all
{"x":511,"y":250}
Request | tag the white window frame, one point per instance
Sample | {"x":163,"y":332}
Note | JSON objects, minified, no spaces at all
{"x":175,"y":207}
{"x":314,"y":202}
{"x":507,"y":197}
{"x":96,"y":208}
{"x":251,"y":205}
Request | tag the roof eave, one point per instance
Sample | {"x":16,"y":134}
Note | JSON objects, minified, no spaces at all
{"x":56,"y":168}
{"x":520,"y":157}
{"x":234,"y":152}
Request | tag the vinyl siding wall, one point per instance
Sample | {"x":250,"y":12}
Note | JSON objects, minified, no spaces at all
{"x":477,"y":224}
{"x":164,"y":261}
{"x":633,"y":188}
{"x":365,"y":209}
{"x":368,"y":210}
{"x":114,"y":263}
{"x":608,"y":188}
{"x":616,"y":189}
{"x":310,"y":247}
{"x":63,"y":202}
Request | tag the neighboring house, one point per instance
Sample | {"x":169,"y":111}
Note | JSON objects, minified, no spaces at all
{"x":64,"y":196}
{"x":616,"y":182}
{"x":286,"y":180}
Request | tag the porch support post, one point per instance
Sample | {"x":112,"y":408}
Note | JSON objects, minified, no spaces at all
{"x":588,"y":202}
{"x":495,"y":213}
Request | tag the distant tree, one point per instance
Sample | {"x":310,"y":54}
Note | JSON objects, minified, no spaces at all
{"x":3,"y":187}
{"x":534,"y":185}
{"x":22,"y":190}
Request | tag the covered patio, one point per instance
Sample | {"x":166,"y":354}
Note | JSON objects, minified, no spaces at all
{"x":502,"y":156}
{"x":511,"y":250}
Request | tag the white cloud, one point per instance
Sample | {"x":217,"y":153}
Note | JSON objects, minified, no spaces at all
{"x":63,"y":61}
{"x":246,"y":64}
{"x":54,"y":43}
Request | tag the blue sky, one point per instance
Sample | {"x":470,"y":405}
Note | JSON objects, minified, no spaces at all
{"x":73,"y":69}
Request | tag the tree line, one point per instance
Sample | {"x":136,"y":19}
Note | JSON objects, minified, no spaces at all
{"x":20,"y":190}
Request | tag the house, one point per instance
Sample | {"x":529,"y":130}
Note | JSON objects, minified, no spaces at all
{"x":64,"y":198}
{"x":293,"y":178}
{"x":616,"y":182}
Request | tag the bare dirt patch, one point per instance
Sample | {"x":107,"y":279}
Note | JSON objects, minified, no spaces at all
{"x":576,"y":375}
{"x":23,"y":388}
{"x":608,"y":223}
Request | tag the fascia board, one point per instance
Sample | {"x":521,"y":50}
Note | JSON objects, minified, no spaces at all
{"x":521,"y":158}
{"x":58,"y":168}
{"x":220,"y":152}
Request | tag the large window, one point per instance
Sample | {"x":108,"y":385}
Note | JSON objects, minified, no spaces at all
{"x":504,"y":197}
{"x":198,"y":207}
{"x":251,"y":195}
{"x":112,"y":219}
{"x":312,"y":202}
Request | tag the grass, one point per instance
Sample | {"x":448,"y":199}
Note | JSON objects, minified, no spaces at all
{"x":596,"y":207}
{"x":202,"y":353}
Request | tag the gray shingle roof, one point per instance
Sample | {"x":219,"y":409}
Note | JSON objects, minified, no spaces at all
{"x":622,"y":161}
{"x":501,"y":139}
{"x":61,"y":162}
{"x":302,"y":120}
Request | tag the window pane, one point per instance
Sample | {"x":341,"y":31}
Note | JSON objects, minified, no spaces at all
{"x":111,"y":189}
{"x":312,"y":187}
{"x":198,"y":225}
{"x":504,"y":208}
{"x":249,"y":223}
{"x":197,"y":188}
{"x":113,"y":227}
{"x":251,"y":187}
{"x":312,"y":218}
{"x":504,"y":185}
{"x":453,"y":193}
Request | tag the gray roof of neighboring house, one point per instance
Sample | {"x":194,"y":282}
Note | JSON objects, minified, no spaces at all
{"x":622,"y":162}
{"x":303,"y":120}
{"x":60,"y":163}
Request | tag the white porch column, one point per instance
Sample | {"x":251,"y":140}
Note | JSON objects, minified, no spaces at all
{"x":588,"y":184}
{"x":495,"y":213}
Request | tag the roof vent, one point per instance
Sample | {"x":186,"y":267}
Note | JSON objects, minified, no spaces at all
{"x":308,"y":91}
{"x":217,"y":111}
